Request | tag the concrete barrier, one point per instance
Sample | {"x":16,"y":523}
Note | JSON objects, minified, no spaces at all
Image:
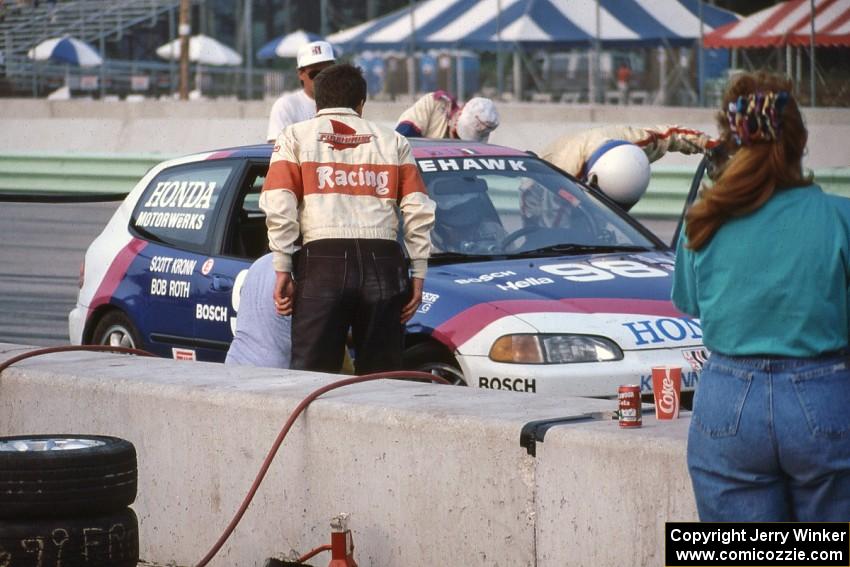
{"x":432,"y":475}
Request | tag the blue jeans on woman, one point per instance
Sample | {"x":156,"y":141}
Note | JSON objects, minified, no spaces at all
{"x":769,"y":439}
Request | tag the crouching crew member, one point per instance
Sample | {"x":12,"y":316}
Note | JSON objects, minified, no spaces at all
{"x":437,"y":115}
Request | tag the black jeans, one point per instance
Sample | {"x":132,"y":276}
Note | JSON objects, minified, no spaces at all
{"x":340,"y":283}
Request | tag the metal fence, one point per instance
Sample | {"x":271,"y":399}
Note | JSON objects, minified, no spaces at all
{"x":20,"y":76}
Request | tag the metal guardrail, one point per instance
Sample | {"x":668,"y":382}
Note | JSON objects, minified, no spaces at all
{"x":70,"y":173}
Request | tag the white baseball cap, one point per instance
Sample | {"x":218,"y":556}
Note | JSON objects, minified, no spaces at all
{"x":314,"y":52}
{"x":477,"y":119}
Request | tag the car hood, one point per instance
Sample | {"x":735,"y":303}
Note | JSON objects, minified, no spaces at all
{"x":607,"y":294}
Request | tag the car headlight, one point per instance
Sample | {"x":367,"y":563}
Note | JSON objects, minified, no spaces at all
{"x":554,"y":349}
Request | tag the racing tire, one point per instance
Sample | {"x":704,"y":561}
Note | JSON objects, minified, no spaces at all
{"x":116,"y":329}
{"x":434,"y":359}
{"x":108,"y":540}
{"x":64,"y":476}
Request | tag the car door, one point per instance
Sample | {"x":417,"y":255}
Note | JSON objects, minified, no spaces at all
{"x":240,"y":238}
{"x":177,"y":215}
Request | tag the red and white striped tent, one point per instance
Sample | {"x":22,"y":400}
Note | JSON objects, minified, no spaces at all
{"x":787,"y":23}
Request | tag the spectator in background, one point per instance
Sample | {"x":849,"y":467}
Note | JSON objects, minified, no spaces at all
{"x":624,"y":78}
{"x":764,"y":262}
{"x":299,"y":105}
{"x":262,"y":337}
{"x":437,"y":115}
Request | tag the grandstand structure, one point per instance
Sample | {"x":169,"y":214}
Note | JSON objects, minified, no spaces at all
{"x":127,"y":33}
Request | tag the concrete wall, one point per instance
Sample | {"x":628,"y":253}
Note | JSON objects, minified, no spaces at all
{"x":173,"y":127}
{"x":432,"y":475}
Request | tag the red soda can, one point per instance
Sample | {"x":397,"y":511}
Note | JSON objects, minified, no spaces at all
{"x":629,"y":399}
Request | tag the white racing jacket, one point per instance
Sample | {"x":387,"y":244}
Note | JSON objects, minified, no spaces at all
{"x":571,"y":152}
{"x":340,"y":176}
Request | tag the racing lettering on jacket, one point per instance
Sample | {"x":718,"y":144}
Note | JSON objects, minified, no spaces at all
{"x":340,"y":176}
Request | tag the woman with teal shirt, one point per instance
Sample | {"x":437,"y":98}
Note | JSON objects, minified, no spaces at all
{"x":764,"y":262}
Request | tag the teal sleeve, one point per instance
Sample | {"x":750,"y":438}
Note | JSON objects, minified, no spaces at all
{"x":684,"y":294}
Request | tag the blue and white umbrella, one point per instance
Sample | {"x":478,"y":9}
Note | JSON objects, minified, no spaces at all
{"x":287,"y":45}
{"x":66,"y":49}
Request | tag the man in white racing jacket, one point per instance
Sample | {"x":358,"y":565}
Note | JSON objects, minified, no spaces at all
{"x":339,"y":182}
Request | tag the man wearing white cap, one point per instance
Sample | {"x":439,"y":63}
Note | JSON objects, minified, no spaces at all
{"x":437,"y":115}
{"x":297,"y":106}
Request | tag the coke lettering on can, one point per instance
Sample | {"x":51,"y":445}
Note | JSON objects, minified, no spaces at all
{"x":667,"y":391}
{"x":629,"y":400}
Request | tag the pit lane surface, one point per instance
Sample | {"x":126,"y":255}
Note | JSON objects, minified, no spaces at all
{"x":42,"y":247}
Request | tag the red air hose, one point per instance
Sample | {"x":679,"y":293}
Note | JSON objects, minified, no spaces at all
{"x":397,"y":375}
{"x":48,"y":350}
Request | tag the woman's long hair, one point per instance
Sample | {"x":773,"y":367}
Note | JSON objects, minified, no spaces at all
{"x":762,"y":129}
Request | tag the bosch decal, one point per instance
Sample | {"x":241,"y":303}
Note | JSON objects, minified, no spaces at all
{"x":467,"y":164}
{"x":509,"y":384}
{"x":652,"y":331}
{"x":485,"y":277}
{"x":211,"y":312}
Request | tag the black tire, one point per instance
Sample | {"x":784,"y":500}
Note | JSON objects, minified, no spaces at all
{"x":116,"y":329}
{"x":109,"y":540}
{"x":435,"y":359}
{"x":91,"y":475}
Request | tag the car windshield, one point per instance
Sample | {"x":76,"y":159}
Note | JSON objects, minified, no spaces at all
{"x":519,"y":206}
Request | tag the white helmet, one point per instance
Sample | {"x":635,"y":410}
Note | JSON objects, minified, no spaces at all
{"x":477,"y":119}
{"x":621,"y":170}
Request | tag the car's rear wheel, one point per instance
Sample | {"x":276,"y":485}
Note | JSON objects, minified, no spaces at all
{"x":116,"y":329}
{"x":435,"y":359}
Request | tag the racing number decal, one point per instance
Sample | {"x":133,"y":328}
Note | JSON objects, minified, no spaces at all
{"x":235,"y":297}
{"x":603,"y":270}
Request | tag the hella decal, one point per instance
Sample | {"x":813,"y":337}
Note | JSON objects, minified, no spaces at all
{"x":661,"y":330}
{"x":509,"y":384}
{"x":522,"y":284}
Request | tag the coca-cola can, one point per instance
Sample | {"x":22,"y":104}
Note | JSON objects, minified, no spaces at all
{"x":667,"y":391}
{"x":629,"y":400}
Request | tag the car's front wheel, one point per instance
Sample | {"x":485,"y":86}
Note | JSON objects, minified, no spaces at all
{"x":434,"y":359}
{"x":116,"y":329}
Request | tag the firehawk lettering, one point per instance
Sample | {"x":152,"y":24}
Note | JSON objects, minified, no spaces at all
{"x":466,"y":164}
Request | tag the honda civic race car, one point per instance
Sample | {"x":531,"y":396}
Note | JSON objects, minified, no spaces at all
{"x":537,"y":283}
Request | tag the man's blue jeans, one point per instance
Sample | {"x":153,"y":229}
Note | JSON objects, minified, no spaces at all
{"x":770,"y":439}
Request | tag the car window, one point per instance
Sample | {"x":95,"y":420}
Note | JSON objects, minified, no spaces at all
{"x":501,"y":206}
{"x":246,"y":234}
{"x":179,"y":206}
